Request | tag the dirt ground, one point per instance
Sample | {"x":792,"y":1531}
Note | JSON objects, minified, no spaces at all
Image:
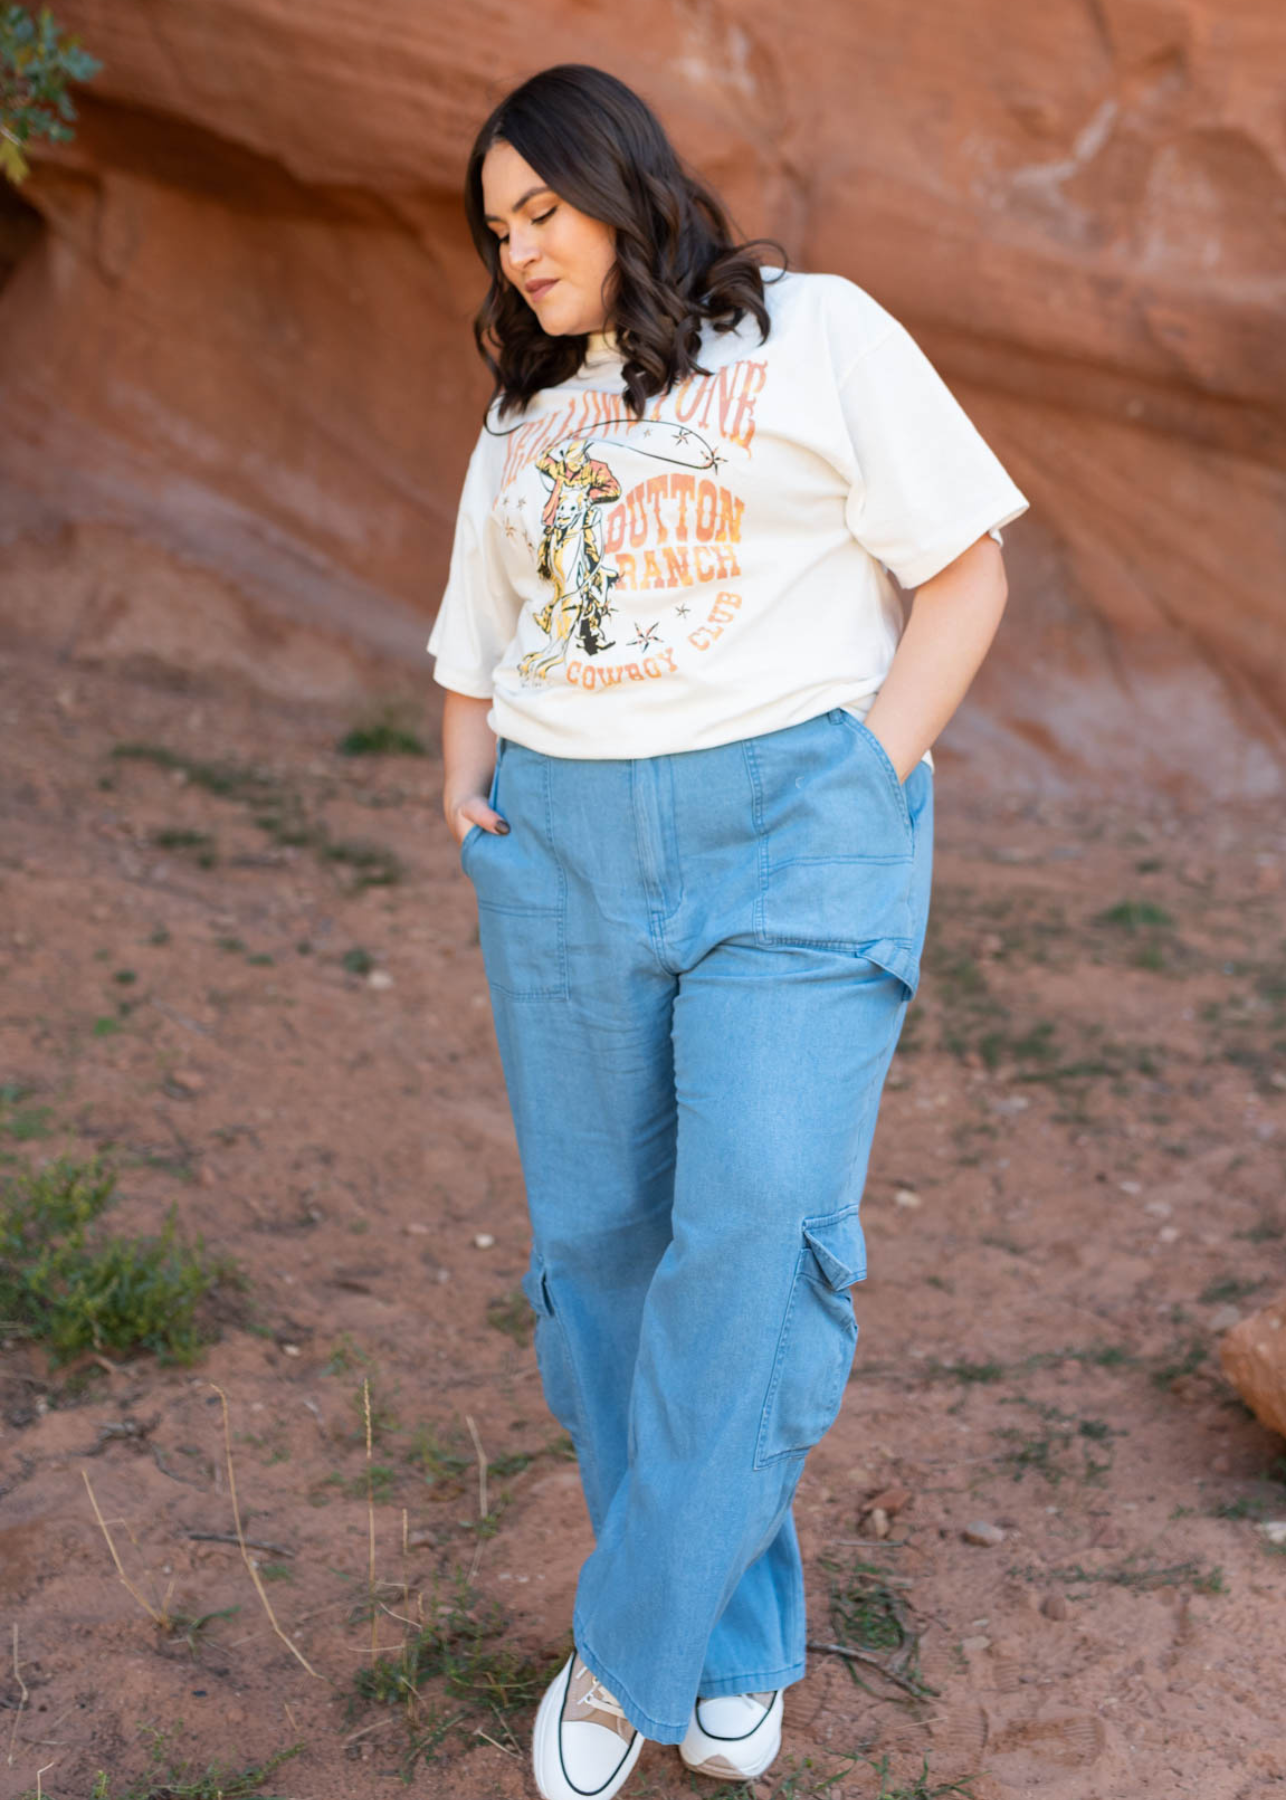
{"x":1077,"y":1182}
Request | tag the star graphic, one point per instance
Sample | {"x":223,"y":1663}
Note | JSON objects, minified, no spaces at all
{"x":683,"y":611}
{"x":645,"y":635}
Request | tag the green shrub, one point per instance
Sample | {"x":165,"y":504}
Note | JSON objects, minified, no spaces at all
{"x":76,"y":1288}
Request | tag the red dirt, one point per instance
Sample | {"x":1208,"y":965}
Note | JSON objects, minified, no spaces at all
{"x":347,"y":1140}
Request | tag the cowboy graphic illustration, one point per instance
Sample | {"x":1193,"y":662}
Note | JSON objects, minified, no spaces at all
{"x":570,"y":555}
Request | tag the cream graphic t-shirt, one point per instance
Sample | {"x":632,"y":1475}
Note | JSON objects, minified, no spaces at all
{"x":723,"y":565}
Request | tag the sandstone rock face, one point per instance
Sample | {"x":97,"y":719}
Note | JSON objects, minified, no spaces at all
{"x":1253,"y":1355}
{"x":241,"y":338}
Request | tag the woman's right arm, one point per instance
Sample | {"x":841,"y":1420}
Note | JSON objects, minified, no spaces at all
{"x":468,"y":763}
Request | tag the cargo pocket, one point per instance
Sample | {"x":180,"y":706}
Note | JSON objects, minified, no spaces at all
{"x":520,"y":887}
{"x":553,"y":1354}
{"x":818,"y":1335}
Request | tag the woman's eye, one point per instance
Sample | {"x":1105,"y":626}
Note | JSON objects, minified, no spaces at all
{"x":537,"y":221}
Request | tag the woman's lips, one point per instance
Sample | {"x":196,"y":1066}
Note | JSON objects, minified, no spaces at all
{"x":538,"y":288}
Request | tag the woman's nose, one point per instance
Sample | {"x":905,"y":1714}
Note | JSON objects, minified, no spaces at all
{"x":522,"y":250}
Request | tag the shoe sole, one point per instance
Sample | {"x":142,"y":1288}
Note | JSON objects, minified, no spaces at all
{"x":751,"y":1774}
{"x":545,"y":1747}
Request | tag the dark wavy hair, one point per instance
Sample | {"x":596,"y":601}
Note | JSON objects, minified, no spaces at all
{"x":603,"y":149}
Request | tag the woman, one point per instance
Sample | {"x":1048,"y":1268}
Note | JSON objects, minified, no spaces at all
{"x":686,"y":743}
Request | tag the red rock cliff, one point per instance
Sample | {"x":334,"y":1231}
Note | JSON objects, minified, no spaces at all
{"x":238,"y":385}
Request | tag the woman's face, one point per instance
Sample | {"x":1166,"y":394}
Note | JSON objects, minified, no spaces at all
{"x":544,"y":239}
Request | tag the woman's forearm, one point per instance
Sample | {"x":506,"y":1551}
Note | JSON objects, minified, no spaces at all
{"x":951,"y":627}
{"x":468,"y":762}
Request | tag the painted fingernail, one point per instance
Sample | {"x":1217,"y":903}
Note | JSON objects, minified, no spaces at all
{"x":502,"y":827}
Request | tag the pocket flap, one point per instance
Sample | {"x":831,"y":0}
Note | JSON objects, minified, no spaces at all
{"x":839,"y":1245}
{"x":533,"y":1286}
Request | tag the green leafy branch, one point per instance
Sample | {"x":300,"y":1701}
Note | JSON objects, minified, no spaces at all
{"x":37,"y":60}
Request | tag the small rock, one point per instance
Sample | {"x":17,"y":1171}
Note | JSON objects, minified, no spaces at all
{"x":1274,"y":1530}
{"x":1159,"y":1209}
{"x":1054,"y":1606}
{"x":1224,"y":1318}
{"x":188,"y":1080}
{"x":416,"y":1229}
{"x":907,"y":1197}
{"x":484,"y":1240}
{"x":889,"y":1500}
{"x":975,"y":1643}
{"x":879,"y":1521}
{"x":1130,"y":1187}
{"x":379,"y":978}
{"x":1253,"y":1356}
{"x":290,"y":1349}
{"x":981,"y":1531}
{"x":1169,"y":1234}
{"x":206,"y":1176}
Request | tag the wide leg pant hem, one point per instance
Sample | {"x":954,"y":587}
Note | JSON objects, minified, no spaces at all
{"x":756,"y":1682}
{"x":655,"y":1729}
{"x":759,"y":1681}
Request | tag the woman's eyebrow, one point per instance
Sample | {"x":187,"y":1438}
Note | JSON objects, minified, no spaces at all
{"x":517,"y":203}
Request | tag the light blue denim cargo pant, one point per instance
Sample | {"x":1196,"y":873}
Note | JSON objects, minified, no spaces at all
{"x":699,"y":966}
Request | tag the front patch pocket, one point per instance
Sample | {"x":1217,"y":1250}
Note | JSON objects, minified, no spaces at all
{"x":520,"y":887}
{"x":818,"y":1336}
{"x":837,"y":843}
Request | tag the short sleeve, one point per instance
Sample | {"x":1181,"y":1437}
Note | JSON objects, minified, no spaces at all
{"x":928,"y":484}
{"x":479,"y":608}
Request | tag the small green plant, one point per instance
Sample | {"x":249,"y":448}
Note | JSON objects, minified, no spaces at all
{"x":37,"y":61}
{"x":1230,"y":1288}
{"x":66,"y":1283}
{"x":1190,"y":1574}
{"x":464,"y":1647}
{"x":1051,"y":1453}
{"x":19,"y":1122}
{"x":870,"y":1618}
{"x":1131,"y":915}
{"x":443,"y":1466}
{"x":202,"y":845}
{"x":1181,"y":1361}
{"x":512,"y":1315}
{"x":381,"y":735}
{"x":184,"y":1781}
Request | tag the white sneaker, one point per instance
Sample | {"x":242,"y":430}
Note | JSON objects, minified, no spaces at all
{"x":583,"y":1746}
{"x":733,"y":1737}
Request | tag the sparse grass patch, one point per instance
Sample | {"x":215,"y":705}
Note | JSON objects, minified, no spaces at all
{"x":1064,"y":1449}
{"x":201,"y":844}
{"x":463,"y":1646}
{"x":275,"y":808}
{"x":512,"y":1315}
{"x":871,"y":1619}
{"x":1230,"y":1288}
{"x":76,"y":1289}
{"x":183,"y":1781}
{"x":1181,"y":1360}
{"x":382,"y":734}
{"x":1185,"y":1574}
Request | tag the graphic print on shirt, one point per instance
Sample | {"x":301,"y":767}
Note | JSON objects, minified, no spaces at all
{"x":570,"y":555}
{"x":662,"y":535}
